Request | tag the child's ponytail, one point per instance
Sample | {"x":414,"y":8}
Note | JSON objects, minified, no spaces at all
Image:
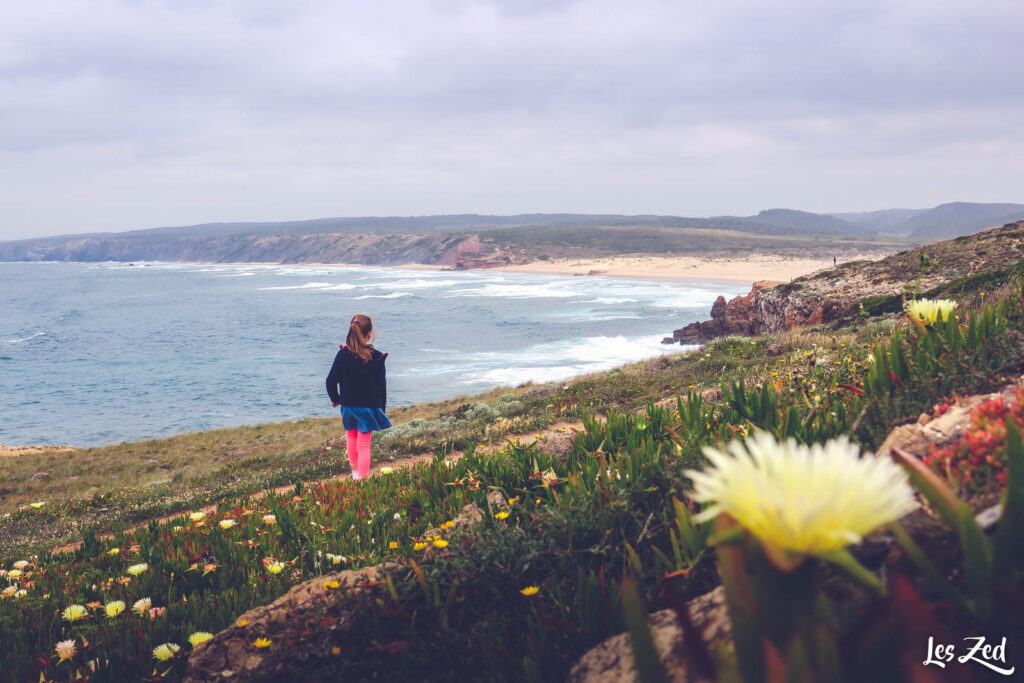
{"x":358,"y":340}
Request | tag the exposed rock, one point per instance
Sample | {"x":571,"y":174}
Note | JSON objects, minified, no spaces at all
{"x":836,"y":293}
{"x":729,"y":318}
{"x":918,"y":437}
{"x":39,"y":476}
{"x":306,"y":617}
{"x":231,"y":656}
{"x":612,"y":660}
{"x":557,"y":444}
{"x":773,"y":350}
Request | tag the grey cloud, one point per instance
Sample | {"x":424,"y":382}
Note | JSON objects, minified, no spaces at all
{"x":188,"y":112}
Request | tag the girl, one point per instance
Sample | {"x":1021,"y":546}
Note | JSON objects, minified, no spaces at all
{"x":357,"y":383}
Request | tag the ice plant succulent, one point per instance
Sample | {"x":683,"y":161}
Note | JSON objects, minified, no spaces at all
{"x":114,"y":608}
{"x":199,"y":637}
{"x":65,"y":649}
{"x":931,"y":311}
{"x":165,"y":651}
{"x":137,"y":569}
{"x":75,"y":612}
{"x":142,"y":606}
{"x":809,"y":500}
{"x":227,"y":523}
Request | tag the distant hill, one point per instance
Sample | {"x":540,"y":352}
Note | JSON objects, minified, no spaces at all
{"x":960,"y":218}
{"x":884,"y":222}
{"x":387,"y":238}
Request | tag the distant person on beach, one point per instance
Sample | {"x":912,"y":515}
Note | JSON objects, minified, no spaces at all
{"x":357,"y":382}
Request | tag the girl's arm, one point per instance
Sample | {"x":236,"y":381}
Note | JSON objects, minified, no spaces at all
{"x":334,"y":380}
{"x":383,"y":384}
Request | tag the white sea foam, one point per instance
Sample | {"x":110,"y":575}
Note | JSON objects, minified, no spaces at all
{"x":561,"y":360}
{"x":610,"y":300}
{"x":338,"y":288}
{"x":416,"y":284}
{"x":25,"y":339}
{"x":393,"y":295}
{"x":308,"y":285}
{"x":515,"y":291}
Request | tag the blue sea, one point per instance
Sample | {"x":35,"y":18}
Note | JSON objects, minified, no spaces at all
{"x":92,"y":354}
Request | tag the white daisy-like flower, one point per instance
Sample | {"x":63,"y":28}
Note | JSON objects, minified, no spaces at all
{"x":141,"y":606}
{"x":804,"y":499}
{"x":931,"y":311}
{"x":65,"y":649}
{"x":165,"y":651}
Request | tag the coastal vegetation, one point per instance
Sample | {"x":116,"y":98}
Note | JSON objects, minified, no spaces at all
{"x":497,"y":557}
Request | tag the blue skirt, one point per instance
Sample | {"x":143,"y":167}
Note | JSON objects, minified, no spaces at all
{"x":364,"y":419}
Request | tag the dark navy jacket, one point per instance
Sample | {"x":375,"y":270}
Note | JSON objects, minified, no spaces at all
{"x":356,"y":384}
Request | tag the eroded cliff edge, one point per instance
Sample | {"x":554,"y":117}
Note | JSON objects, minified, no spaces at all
{"x":986,"y":259}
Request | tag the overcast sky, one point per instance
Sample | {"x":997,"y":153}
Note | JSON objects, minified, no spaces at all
{"x":124,"y":115}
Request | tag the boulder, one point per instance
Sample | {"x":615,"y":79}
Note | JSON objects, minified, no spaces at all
{"x":298,"y":623}
{"x":231,"y":655}
{"x":612,"y":660}
{"x":920,"y":436}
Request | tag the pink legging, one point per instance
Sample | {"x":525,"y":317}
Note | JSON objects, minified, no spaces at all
{"x":358,"y":447}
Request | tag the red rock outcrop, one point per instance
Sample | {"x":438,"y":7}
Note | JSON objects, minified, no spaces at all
{"x":768,"y":308}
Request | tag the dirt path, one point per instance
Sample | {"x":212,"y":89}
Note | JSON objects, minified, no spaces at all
{"x":556,"y":429}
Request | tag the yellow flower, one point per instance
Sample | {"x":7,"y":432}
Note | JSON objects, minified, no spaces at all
{"x":513,"y":501}
{"x":199,"y":637}
{"x":165,"y":651}
{"x":530,"y":590}
{"x":804,"y":499}
{"x":141,"y":607}
{"x":387,"y":470}
{"x":197,"y":516}
{"x":75,"y":612}
{"x":114,"y":551}
{"x":20,"y":564}
{"x":14,"y":574}
{"x":501,"y":515}
{"x":330,"y":585}
{"x":261,"y":642}
{"x":275,"y":567}
{"x":114,"y":608}
{"x":448,"y":525}
{"x":137,"y":569}
{"x":419,"y":546}
{"x":931,"y":311}
{"x":36,"y":506}
{"x":393,"y":545}
{"x":440,"y":543}
{"x":227,"y":523}
{"x":65,"y":649}
{"x":270,"y":519}
{"x":241,"y":623}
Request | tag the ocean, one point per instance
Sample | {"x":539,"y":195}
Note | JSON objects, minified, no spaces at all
{"x":98,"y":353}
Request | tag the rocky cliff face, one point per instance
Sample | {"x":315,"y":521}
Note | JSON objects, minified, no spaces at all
{"x":836,"y":293}
{"x":768,"y":308}
{"x":454,"y":250}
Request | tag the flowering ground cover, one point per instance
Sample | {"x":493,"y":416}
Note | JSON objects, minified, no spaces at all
{"x":545,"y":576}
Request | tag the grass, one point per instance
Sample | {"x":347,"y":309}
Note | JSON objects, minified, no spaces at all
{"x":599,"y":241}
{"x":109,"y":488}
{"x":581,"y":527}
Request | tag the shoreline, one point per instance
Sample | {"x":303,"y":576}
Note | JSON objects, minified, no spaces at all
{"x":751,"y":268}
{"x":653,"y":267}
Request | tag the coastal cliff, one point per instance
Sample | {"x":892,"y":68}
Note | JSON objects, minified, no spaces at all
{"x":955,"y":266}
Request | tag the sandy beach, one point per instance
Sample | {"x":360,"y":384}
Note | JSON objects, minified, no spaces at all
{"x":746,"y":269}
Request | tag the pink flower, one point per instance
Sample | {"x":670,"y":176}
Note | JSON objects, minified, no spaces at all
{"x":156,"y":612}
